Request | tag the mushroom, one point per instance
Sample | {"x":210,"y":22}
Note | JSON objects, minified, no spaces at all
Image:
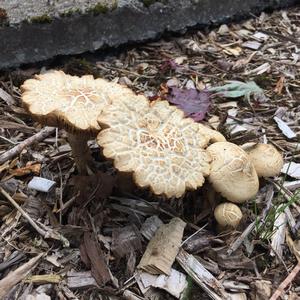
{"x":73,"y":103}
{"x":232,"y":173}
{"x":266,"y":159}
{"x":228,"y":215}
{"x":154,"y":141}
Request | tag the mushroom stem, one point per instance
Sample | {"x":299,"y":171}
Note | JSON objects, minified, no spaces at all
{"x":81,"y":153}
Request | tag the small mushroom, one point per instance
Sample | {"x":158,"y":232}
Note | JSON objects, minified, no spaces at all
{"x":266,"y":159}
{"x":73,"y":103}
{"x":154,"y":141}
{"x":228,"y":215}
{"x":232,"y":173}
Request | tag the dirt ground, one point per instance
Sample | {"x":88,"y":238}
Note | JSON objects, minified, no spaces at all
{"x":85,"y":237}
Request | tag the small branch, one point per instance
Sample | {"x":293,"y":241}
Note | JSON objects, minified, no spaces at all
{"x":41,"y":135}
{"x":40,"y":228}
{"x":286,"y":282}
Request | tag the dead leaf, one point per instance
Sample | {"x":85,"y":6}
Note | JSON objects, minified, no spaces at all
{"x":195,"y":104}
{"x":235,"y":51}
{"x":279,"y":85}
{"x":28,"y":169}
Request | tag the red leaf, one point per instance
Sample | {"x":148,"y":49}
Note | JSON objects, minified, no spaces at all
{"x":194,"y":103}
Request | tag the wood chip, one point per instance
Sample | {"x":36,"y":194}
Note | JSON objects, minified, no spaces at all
{"x":150,"y":226}
{"x":286,"y":130}
{"x":175,"y":284}
{"x":163,"y":248}
{"x":78,"y":280}
{"x":292,"y":169}
{"x":14,"y":277}
{"x":7,"y":98}
{"x":201,"y":276}
{"x":125,"y":240}
{"x":253,"y":45}
{"x":279,"y":235}
{"x":95,"y":255}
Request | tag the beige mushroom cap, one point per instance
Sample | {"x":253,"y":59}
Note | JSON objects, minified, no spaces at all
{"x":228,"y":215}
{"x":266,"y":159}
{"x":72,"y":102}
{"x":162,"y":148}
{"x":232,"y":172}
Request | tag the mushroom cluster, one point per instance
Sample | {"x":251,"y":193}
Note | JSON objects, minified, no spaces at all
{"x":72,"y":103}
{"x":234,"y":174}
{"x":153,"y":141}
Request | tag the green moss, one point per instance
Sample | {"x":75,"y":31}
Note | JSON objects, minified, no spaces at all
{"x":99,"y":9}
{"x":102,"y":8}
{"x":71,"y":12}
{"x":80,"y":67}
{"x":147,"y":3}
{"x":114,"y":5}
{"x":41,"y":19}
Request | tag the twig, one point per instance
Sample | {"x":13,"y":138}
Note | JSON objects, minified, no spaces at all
{"x":26,"y":143}
{"x":213,"y":287}
{"x":40,"y":228}
{"x":286,"y":282}
{"x":236,"y":244}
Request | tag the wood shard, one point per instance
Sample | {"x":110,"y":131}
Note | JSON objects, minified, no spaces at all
{"x":175,"y":284}
{"x":98,"y":264}
{"x":150,"y":226}
{"x":78,"y":280}
{"x":163,"y":248}
{"x":14,"y":277}
{"x":201,"y":276}
{"x":125,"y":240}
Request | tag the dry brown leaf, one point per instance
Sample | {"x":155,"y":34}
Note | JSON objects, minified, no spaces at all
{"x":279,"y":85}
{"x":28,"y":169}
{"x":235,"y":51}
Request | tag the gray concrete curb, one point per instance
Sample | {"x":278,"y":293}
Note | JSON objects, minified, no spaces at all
{"x":31,"y":42}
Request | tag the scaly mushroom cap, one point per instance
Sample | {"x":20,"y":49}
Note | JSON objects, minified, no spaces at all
{"x":71,"y":102}
{"x":162,"y":148}
{"x":266,"y":159}
{"x":228,"y":215}
{"x":232,"y":172}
